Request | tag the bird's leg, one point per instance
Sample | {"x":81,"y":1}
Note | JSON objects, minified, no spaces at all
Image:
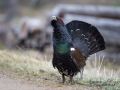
{"x":81,"y":72}
{"x":63,"y":78}
{"x":71,"y":79}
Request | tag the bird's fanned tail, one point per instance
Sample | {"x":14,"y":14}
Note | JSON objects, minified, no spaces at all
{"x":85,"y":37}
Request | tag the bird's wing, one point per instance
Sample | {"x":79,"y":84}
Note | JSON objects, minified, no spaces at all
{"x":85,"y":37}
{"x":77,"y":58}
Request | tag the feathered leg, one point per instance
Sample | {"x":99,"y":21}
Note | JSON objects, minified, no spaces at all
{"x":71,"y":79}
{"x":81,"y":72}
{"x":63,"y":78}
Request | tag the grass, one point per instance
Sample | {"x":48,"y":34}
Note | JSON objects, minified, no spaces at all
{"x":33,"y":66}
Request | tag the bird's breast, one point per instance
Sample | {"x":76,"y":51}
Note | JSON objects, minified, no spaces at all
{"x":64,"y":64}
{"x":61,"y":48}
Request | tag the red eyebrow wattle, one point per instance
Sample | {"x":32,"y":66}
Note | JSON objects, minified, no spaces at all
{"x":60,"y":20}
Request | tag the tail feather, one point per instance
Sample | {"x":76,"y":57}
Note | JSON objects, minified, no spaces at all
{"x":96,"y":50}
{"x":85,"y":37}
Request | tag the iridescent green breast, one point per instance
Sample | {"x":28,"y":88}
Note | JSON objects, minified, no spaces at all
{"x":61,"y":47}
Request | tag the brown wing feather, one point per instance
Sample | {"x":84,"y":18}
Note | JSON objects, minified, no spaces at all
{"x":78,"y":58}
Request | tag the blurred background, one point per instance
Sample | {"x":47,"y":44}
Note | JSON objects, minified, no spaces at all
{"x":25,"y":24}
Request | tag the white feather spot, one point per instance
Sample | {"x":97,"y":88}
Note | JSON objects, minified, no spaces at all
{"x":72,"y":49}
{"x":77,"y":29}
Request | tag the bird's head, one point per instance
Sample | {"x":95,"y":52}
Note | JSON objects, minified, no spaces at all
{"x":60,"y":31}
{"x":57,"y":22}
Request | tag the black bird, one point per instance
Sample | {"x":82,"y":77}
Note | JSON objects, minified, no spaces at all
{"x":72,"y":44}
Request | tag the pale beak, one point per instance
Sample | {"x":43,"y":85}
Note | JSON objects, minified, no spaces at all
{"x":54,"y":18}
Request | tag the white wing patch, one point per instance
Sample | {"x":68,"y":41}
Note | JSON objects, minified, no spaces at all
{"x":72,"y":49}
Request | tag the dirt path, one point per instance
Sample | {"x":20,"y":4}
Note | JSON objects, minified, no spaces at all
{"x":7,"y":83}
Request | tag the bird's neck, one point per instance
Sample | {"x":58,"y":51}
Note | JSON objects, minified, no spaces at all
{"x":61,"y":40}
{"x":61,"y":36}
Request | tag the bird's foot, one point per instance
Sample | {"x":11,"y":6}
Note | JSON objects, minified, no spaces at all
{"x":80,"y":83}
{"x":62,"y":82}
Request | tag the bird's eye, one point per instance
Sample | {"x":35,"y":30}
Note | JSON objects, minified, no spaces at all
{"x":60,"y":20}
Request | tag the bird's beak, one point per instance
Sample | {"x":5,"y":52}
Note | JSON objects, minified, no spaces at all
{"x":54,"y":18}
